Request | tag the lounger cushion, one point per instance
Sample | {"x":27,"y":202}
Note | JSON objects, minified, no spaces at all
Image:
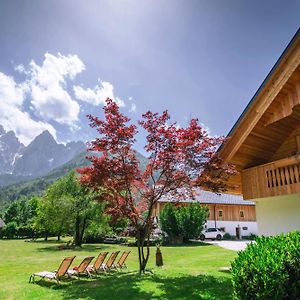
{"x":46,"y":274}
{"x":72,"y":272}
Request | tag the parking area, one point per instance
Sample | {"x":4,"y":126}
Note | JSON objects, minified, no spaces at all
{"x":230,"y":245}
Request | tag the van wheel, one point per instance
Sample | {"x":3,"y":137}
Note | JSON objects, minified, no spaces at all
{"x":202,"y":237}
{"x":219,"y":237}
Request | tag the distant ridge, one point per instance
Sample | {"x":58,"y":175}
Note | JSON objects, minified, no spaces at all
{"x":19,"y":163}
{"x":36,"y":186}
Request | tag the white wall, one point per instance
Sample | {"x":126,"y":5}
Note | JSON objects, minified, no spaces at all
{"x":277,"y":215}
{"x":230,"y":226}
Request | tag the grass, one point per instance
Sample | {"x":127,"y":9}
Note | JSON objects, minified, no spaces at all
{"x":189,"y":272}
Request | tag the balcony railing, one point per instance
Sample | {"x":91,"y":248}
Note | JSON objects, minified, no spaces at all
{"x":281,"y":177}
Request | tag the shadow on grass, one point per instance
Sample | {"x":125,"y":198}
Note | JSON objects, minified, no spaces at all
{"x":88,"y":247}
{"x":133,"y":286}
{"x":189,"y":244}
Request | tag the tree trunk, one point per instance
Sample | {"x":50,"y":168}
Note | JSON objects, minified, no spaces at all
{"x":46,"y":236}
{"x":77,"y":232}
{"x":82,"y":231}
{"x":142,"y":237}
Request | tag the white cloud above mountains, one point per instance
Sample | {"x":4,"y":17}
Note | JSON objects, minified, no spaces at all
{"x":45,"y":92}
{"x":98,"y":94}
{"x":12,"y":117}
{"x":47,"y":87}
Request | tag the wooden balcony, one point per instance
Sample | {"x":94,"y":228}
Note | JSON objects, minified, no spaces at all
{"x":281,"y":177}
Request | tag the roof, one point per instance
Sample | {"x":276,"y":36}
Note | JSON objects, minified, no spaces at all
{"x":269,"y":91}
{"x":264,"y":82}
{"x":206,"y":197}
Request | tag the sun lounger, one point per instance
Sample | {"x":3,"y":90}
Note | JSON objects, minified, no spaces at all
{"x":96,"y":267}
{"x":56,"y":275}
{"x":82,"y":268}
{"x":110,"y":262}
{"x":121,"y":263}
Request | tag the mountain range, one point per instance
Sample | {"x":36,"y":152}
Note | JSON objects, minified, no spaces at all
{"x":27,"y":171}
{"x":42,"y":155}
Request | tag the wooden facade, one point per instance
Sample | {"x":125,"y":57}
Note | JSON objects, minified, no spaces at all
{"x":264,"y":144}
{"x":219,"y":212}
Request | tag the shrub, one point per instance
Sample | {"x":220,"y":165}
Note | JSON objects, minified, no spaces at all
{"x":268,"y":269}
{"x":169,"y":221}
{"x":2,"y":232}
{"x":25,"y":232}
{"x":182,"y":223}
{"x":96,"y":233}
{"x":227,"y":236}
{"x":11,"y":230}
{"x":191,"y":219}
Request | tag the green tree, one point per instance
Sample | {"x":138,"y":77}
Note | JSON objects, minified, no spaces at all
{"x":169,"y":221}
{"x":11,"y":230}
{"x":12,"y":213}
{"x":191,"y":219}
{"x":68,"y":207}
{"x":184,"y":222}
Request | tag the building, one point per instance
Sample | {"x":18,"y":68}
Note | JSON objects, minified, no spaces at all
{"x":227,"y":212}
{"x":264,"y":144}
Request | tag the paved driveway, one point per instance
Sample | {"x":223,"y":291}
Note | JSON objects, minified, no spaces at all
{"x":231,"y":245}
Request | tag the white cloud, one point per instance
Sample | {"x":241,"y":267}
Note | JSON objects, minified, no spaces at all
{"x":44,"y":91}
{"x":10,"y":91}
{"x":47,"y":82}
{"x":98,"y":94}
{"x":12,"y":117}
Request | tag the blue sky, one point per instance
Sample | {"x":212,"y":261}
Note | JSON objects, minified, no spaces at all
{"x":204,"y":59}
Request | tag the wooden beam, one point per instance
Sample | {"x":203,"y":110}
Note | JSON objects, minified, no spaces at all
{"x":298,"y":142}
{"x":284,"y":108}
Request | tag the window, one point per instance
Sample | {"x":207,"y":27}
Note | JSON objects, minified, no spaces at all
{"x":242,"y":214}
{"x":220,"y":213}
{"x":245,"y":228}
{"x":211,"y":230}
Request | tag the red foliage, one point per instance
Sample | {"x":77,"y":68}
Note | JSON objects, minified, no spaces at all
{"x":180,"y":159}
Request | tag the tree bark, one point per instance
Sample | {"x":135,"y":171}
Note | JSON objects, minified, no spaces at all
{"x":143,"y":236}
{"x":77,"y":232}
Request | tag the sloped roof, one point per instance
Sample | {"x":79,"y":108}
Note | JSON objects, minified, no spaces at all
{"x":206,"y":197}
{"x":249,"y":142}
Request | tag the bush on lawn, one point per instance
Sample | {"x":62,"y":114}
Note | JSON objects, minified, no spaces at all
{"x":227,"y":236}
{"x":26,"y":232}
{"x":10,"y":230}
{"x":268,"y":269}
{"x":182,"y":223}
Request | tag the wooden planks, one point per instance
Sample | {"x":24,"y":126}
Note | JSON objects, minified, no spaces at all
{"x":230,"y":212}
{"x":277,"y":178}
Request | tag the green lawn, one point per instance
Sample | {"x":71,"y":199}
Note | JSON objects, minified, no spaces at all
{"x":189,"y":272}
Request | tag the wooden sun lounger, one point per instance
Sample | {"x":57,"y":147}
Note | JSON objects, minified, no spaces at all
{"x":121,"y":262}
{"x":56,"y":275}
{"x":109,"y":265}
{"x":97,"y":266}
{"x":82,"y":269}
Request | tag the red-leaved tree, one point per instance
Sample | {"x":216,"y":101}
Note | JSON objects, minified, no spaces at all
{"x":180,"y":160}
